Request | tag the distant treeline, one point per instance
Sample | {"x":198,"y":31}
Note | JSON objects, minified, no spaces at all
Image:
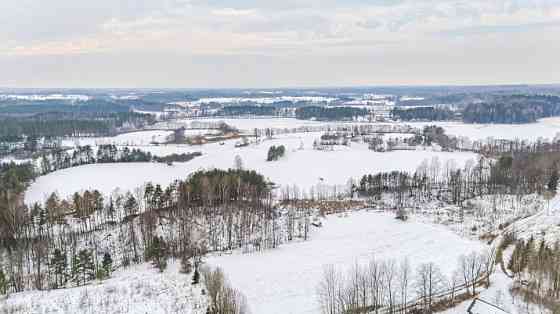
{"x":21,"y":107}
{"x":330,"y":113}
{"x":239,"y":110}
{"x":66,"y":124}
{"x":508,"y":109}
{"x":423,"y":113}
{"x":513,"y":109}
{"x":85,"y":155}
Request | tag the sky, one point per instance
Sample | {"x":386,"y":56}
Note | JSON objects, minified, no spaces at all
{"x":277,"y":43}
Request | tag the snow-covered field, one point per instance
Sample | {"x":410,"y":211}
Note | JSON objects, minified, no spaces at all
{"x":133,"y":138}
{"x":285,"y":280}
{"x":544,"y":128}
{"x":138,"y":289}
{"x":249,"y":124}
{"x":304,"y":167}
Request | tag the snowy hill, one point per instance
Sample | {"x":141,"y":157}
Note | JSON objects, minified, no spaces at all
{"x":138,"y":289}
{"x":543,"y":225}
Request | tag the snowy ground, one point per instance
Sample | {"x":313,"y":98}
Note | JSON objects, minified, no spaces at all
{"x":305,"y":167}
{"x":285,"y":280}
{"x":138,"y":289}
{"x":133,"y":139}
{"x":10,"y":159}
{"x":543,"y":225}
{"x":544,"y":128}
{"x":249,"y":124}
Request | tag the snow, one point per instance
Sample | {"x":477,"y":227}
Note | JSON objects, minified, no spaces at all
{"x":45,"y":97}
{"x":285,"y":280}
{"x":305,"y":167}
{"x":265,"y":100}
{"x":544,"y":128}
{"x":138,"y":289}
{"x":103,"y":177}
{"x":544,"y":225}
{"x":132,"y":138}
{"x":10,"y":159}
{"x":249,"y":124}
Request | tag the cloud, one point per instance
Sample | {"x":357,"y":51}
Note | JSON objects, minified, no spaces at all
{"x":290,"y":28}
{"x":233,"y":12}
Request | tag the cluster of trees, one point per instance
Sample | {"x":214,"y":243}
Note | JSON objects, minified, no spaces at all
{"x":393,"y":287}
{"x":14,"y":179}
{"x":223,"y":298}
{"x":513,"y":109}
{"x":427,"y":113}
{"x":109,"y":153}
{"x":184,"y":157}
{"x":536,"y":266}
{"x":214,"y":210}
{"x":256,"y":110}
{"x":517,"y":174}
{"x":492,"y":109}
{"x":330,"y":113}
{"x":20,"y":107}
{"x":54,"y":125}
{"x":275,"y":152}
{"x":83,"y":155}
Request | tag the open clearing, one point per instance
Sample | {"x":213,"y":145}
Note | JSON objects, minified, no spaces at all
{"x":302,"y":166}
{"x":545,"y":128}
{"x":285,"y":280}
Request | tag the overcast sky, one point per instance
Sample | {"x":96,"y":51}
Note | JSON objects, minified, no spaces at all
{"x":277,"y":43}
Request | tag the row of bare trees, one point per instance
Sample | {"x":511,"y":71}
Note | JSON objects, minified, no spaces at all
{"x":223,"y":298}
{"x":388,"y":286}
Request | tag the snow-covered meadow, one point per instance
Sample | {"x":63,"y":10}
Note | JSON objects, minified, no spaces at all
{"x":138,"y":138}
{"x":285,"y":280}
{"x":138,"y":289}
{"x":302,"y":166}
{"x":546,"y":128}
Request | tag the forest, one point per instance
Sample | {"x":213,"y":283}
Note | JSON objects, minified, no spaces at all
{"x":69,"y":242}
{"x":512,"y":109}
{"x":240,"y":110}
{"x":427,"y":113}
{"x":330,"y":113}
{"x":60,"y":124}
{"x":108,"y":153}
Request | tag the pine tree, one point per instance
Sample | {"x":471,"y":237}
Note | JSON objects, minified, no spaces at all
{"x":196,"y":276}
{"x":58,"y":266}
{"x":157,"y":253}
{"x":83,"y":268}
{"x":3,"y":283}
{"x":553,"y":181}
{"x":107,"y":264}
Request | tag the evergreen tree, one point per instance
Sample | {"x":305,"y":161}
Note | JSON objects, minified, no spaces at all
{"x":553,"y":181}
{"x":107,"y":264}
{"x":3,"y":282}
{"x":83,"y":268}
{"x":196,"y":276}
{"x":157,"y":253}
{"x":58,"y":266}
